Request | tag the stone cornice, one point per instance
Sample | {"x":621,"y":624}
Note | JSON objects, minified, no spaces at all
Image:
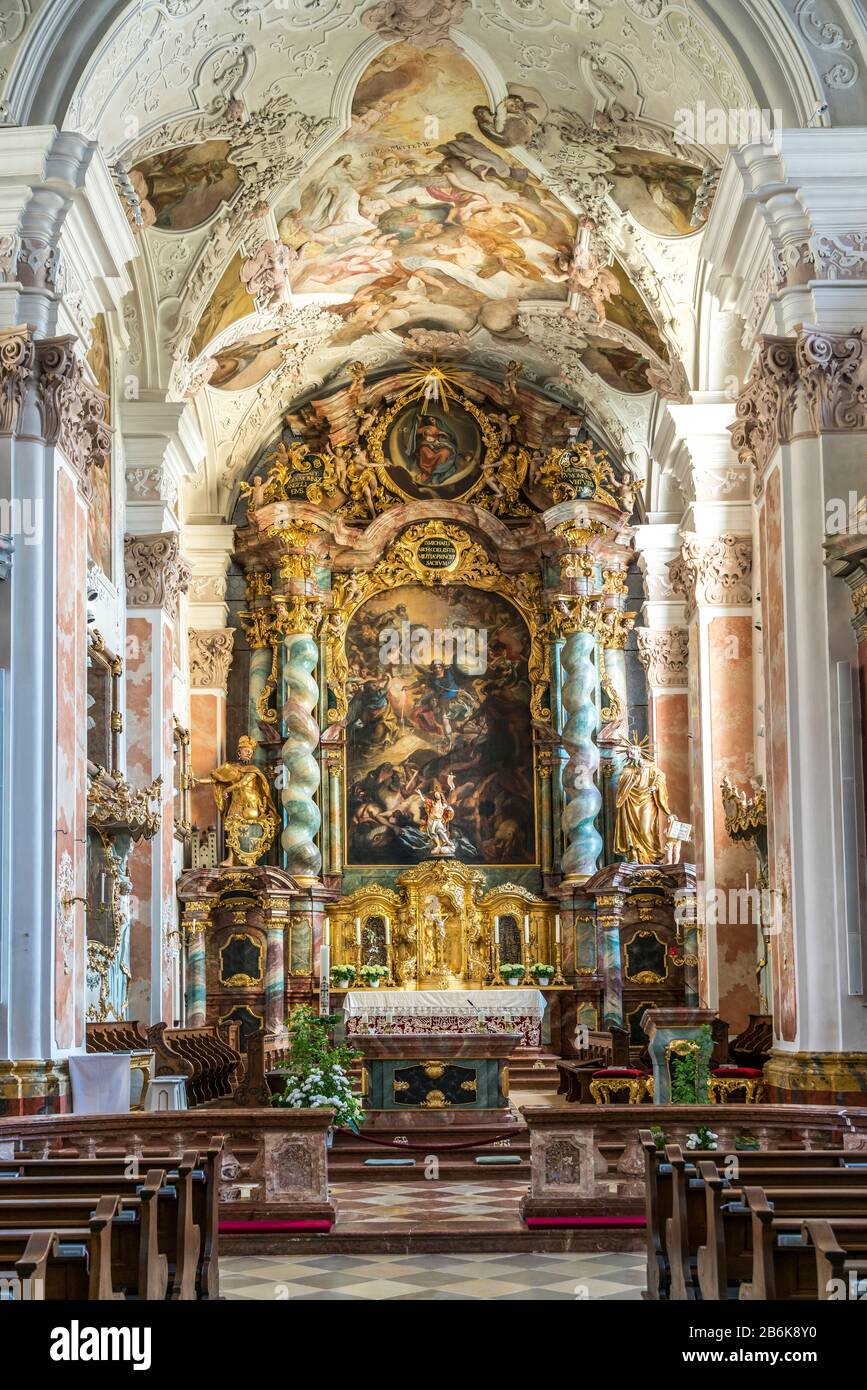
{"x":210,"y":657}
{"x":156,"y":572}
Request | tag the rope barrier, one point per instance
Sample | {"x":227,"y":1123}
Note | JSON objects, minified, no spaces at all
{"x":426,"y":1148}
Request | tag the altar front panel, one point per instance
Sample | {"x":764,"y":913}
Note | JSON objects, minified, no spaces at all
{"x":419,"y":1013}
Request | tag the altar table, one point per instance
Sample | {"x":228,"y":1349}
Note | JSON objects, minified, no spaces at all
{"x":423,"y":1011}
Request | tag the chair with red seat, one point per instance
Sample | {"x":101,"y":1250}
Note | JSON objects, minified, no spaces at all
{"x":725,"y":1080}
{"x":610,"y":1081}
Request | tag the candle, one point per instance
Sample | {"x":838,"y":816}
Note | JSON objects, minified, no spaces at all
{"x":388,"y":931}
{"x":557,"y":928}
{"x":358,"y":931}
{"x":526,"y":928}
{"x":326,"y":932}
{"x":496,"y":931}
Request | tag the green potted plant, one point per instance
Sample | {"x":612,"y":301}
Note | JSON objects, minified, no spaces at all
{"x":512,"y":972}
{"x":373,"y":975}
{"x":702,"y":1138}
{"x":342,"y":975}
{"x":542,"y":974}
{"x":318,"y":1072}
{"x":746,"y":1142}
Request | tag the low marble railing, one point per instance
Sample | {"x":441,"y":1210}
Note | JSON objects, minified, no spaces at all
{"x":274,"y":1168}
{"x":586,"y":1160}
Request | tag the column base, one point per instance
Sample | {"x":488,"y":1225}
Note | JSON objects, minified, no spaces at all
{"x":33,"y":1087}
{"x":816,"y":1078}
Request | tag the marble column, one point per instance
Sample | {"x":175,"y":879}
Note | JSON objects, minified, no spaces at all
{"x":156,"y":575}
{"x":609,"y":914}
{"x":303,"y":818}
{"x":663,"y":650}
{"x":583,"y":799}
{"x":714,"y":576}
{"x":195,"y":925}
{"x":52,"y":434}
{"x":262,"y":702}
{"x":277,"y":921}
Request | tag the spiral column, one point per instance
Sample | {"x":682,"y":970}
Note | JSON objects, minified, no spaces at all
{"x":303,"y":817}
{"x":581,"y":720}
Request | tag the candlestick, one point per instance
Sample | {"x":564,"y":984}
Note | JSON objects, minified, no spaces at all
{"x":557,"y":928}
{"x":526,"y":928}
{"x":324,"y":979}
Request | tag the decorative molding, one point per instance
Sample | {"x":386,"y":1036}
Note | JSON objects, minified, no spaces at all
{"x":664,"y":654}
{"x":71,"y":411}
{"x":832,"y":371}
{"x":17,"y":356}
{"x":210,"y":657}
{"x":423,"y":23}
{"x":842,"y":257}
{"x":156,"y":572}
{"x":713,"y":571}
{"x":765,"y":408}
{"x":155,"y":483}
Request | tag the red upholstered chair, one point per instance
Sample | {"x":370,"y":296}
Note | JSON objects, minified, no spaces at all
{"x":726,"y":1080}
{"x":610,"y":1081}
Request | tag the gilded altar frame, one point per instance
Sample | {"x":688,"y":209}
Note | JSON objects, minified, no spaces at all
{"x":473,"y":567}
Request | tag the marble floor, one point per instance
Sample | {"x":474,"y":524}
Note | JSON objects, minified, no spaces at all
{"x":388,"y":1207}
{"x":499,"y":1277}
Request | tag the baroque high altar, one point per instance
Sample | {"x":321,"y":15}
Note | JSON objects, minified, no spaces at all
{"x":442,"y":766}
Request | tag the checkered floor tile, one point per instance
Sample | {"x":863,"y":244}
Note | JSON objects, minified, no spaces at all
{"x":429,"y":1205}
{"x":505,"y":1277}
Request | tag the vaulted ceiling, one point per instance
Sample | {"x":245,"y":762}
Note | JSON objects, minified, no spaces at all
{"x":315,"y":183}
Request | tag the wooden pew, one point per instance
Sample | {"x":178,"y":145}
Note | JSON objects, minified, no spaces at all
{"x":724,"y":1258}
{"x":686,"y":1227}
{"x":179,"y":1234}
{"x":72,"y":1260}
{"x":136,"y":1256}
{"x":207,"y":1056}
{"x":784,"y":1265}
{"x":838,"y":1263}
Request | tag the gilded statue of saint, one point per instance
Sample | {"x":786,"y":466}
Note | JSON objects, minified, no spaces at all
{"x":642,"y":797}
{"x":243,"y":798}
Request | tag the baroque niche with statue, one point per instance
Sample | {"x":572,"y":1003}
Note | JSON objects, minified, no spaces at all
{"x":430,"y":692}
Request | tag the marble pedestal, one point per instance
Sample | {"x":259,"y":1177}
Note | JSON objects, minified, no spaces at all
{"x":672,"y":1030}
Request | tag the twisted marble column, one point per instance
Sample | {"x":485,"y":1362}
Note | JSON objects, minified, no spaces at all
{"x":303,"y":817}
{"x":583,"y":800}
{"x":275,"y":971}
{"x":196,"y":980}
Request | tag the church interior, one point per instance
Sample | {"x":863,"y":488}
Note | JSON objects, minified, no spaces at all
{"x":433,"y":650}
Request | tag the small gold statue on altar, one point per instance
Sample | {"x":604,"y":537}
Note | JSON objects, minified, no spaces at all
{"x":243,"y":798}
{"x":642,"y":797}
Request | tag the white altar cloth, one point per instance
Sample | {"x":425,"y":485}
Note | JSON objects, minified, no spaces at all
{"x":423,"y":1011}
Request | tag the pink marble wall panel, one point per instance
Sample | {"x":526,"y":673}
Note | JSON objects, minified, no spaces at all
{"x":776,"y":735}
{"x":70,"y":752}
{"x":139,"y":715}
{"x":696,"y":786}
{"x":206,"y":751}
{"x":730,"y":666}
{"x":671,"y":740}
{"x":166,"y":837}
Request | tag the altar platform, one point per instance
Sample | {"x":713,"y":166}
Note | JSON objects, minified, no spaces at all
{"x":418,"y":1013}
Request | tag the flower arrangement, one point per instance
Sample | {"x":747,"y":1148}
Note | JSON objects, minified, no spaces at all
{"x":372,"y":974}
{"x":342,"y":974}
{"x":512,"y":971}
{"x":702,"y":1138}
{"x":318,"y":1072}
{"x":541,"y":973}
{"x":689,"y":1071}
{"x":659,"y":1136}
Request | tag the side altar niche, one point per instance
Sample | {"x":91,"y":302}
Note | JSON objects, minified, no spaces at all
{"x":441,"y":929}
